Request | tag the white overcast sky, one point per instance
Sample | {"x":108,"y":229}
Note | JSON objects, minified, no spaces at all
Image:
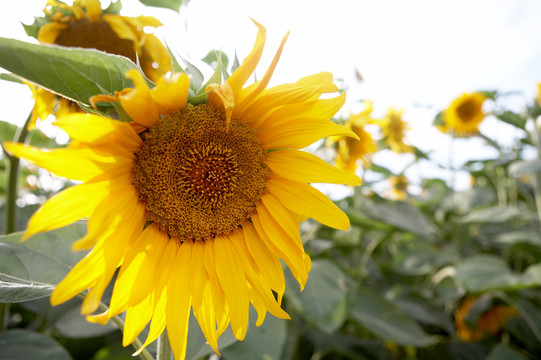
{"x":417,"y":54}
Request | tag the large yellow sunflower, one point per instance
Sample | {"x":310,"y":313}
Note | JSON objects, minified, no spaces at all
{"x":194,"y":204}
{"x":394,"y":130}
{"x":85,"y":24}
{"x":464,"y":114}
{"x":350,"y":150}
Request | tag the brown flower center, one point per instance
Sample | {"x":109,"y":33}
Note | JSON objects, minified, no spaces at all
{"x":197,"y":178}
{"x":95,"y":35}
{"x":467,"y":110}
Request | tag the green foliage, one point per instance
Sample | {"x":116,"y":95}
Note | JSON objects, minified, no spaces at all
{"x":76,"y":74}
{"x":168,"y":4}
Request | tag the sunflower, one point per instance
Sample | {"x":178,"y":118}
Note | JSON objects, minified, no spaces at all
{"x":399,"y":187}
{"x":394,"y":130}
{"x":350,"y":150}
{"x":84,"y":24}
{"x":488,"y":323}
{"x":196,"y":205}
{"x":464,"y":114}
{"x":539,"y":93}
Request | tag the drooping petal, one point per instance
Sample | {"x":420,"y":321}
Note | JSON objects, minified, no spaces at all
{"x":70,"y":205}
{"x":305,"y":167}
{"x":94,"y":129}
{"x":171,"y":94}
{"x":49,"y":32}
{"x":179,"y":301}
{"x":306,"y":200}
{"x":233,"y":281}
{"x":139,"y":103}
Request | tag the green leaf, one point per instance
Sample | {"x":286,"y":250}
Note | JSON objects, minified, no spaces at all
{"x":261,"y":342}
{"x":323,"y":300}
{"x":512,"y":119}
{"x":30,"y":270}
{"x":168,"y":4}
{"x":214,"y":57}
{"x":7,"y":131}
{"x":494,"y":215}
{"x":386,"y":320}
{"x":480,"y":273}
{"x":197,"y":77}
{"x":74,"y":73}
{"x":20,"y":344}
{"x":505,"y":352}
{"x":522,"y":167}
{"x":401,"y":215}
{"x":114,"y":352}
{"x":10,"y":77}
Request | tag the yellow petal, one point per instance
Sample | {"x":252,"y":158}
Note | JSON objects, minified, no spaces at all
{"x":300,"y":133}
{"x":76,"y":163}
{"x":49,"y":32}
{"x":121,"y":27}
{"x":306,"y":200}
{"x":139,"y":103}
{"x":305,"y":167}
{"x":157,"y":325}
{"x":70,"y":205}
{"x":93,"y":9}
{"x":137,"y":318}
{"x":155,"y":59}
{"x":233,"y":281}
{"x":218,"y":295}
{"x":179,"y":301}
{"x":272,"y":272}
{"x":171,"y":94}
{"x":241,"y":75}
{"x":94,"y":129}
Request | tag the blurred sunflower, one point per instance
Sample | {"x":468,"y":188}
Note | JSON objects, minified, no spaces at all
{"x":399,"y":187}
{"x":85,"y":24}
{"x":350,"y":150}
{"x":490,"y":321}
{"x":195,"y":204}
{"x":539,"y":93}
{"x":394,"y":130}
{"x":464,"y":114}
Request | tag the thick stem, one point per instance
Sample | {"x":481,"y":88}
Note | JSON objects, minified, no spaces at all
{"x":13,"y":179}
{"x":164,"y":348}
{"x":537,"y":177}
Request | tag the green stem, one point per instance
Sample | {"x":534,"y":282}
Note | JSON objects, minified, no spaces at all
{"x":4,"y":313}
{"x":13,"y":178}
{"x":537,"y":177}
{"x":164,"y":348}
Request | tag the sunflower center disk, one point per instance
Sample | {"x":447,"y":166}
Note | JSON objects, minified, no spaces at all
{"x":466,"y":111}
{"x":197,"y":178}
{"x":95,"y":35}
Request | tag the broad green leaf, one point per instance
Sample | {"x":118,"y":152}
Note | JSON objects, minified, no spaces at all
{"x":7,"y":131}
{"x":512,"y":119}
{"x":463,"y":201}
{"x":521,"y":167}
{"x":74,"y":73}
{"x":480,"y":273}
{"x":323,"y":300}
{"x":18,"y":344}
{"x":30,"y":270}
{"x":10,"y":77}
{"x":386,"y":320}
{"x":518,"y":237}
{"x":494,"y":215}
{"x":168,"y":4}
{"x":400,"y":215}
{"x":66,"y":318}
{"x":418,"y":257}
{"x":505,"y":352}
{"x":261,"y":342}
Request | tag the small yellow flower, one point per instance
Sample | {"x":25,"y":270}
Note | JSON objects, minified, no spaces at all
{"x":539,"y":93}
{"x":489,"y":323}
{"x":394,"y":130}
{"x":84,"y":24}
{"x":464,"y":114}
{"x":195,"y":206}
{"x":399,"y":187}
{"x":350,"y":150}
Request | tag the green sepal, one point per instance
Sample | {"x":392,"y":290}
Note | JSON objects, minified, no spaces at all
{"x":168,"y":4}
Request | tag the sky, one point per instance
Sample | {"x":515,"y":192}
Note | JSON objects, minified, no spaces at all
{"x":417,"y":55}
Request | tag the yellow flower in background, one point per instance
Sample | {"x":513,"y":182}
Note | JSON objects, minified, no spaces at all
{"x":399,"y":187}
{"x":350,"y":150}
{"x":539,"y":93}
{"x":464,"y":114}
{"x":489,"y":323}
{"x":84,"y":24}
{"x":196,"y":205}
{"x":394,"y":130}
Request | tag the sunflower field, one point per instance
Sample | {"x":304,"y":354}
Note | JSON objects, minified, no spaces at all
{"x":161,"y":207}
